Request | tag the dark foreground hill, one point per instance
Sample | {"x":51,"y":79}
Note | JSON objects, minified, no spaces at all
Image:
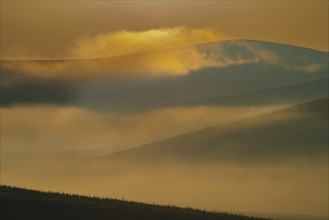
{"x":19,"y":203}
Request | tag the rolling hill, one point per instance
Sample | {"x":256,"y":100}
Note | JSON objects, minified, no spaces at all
{"x":243,"y":73}
{"x":289,"y":94}
{"x":237,"y":67}
{"x":19,"y":203}
{"x":243,"y":66}
{"x":300,"y":131}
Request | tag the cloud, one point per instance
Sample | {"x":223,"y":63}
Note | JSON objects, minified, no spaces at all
{"x":152,"y":63}
{"x":127,"y":42}
{"x":236,"y":52}
{"x":173,"y":62}
{"x":156,"y":52}
{"x":163,"y":51}
{"x":153,"y":53}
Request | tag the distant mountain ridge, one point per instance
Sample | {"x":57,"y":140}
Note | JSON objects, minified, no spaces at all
{"x":290,"y":94}
{"x":275,"y":46}
{"x":242,"y":66}
{"x":238,"y":66}
{"x":253,"y":51}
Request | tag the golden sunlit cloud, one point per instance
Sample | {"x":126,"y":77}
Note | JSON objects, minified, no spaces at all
{"x":158,"y":63}
{"x":168,"y":51}
{"x":157,"y":52}
{"x":126,"y":42}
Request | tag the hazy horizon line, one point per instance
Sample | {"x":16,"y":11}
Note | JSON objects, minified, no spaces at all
{"x":155,"y":50}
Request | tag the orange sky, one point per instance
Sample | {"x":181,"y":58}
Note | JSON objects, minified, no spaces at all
{"x":49,"y":29}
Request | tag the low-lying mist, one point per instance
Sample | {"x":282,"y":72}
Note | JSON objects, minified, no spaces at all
{"x":294,"y":186}
{"x":58,"y":149}
{"x":46,"y":135}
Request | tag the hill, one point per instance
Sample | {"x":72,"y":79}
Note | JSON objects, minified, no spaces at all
{"x":237,"y":67}
{"x":294,"y":93}
{"x":19,"y":203}
{"x":300,"y":131}
{"x":242,"y":66}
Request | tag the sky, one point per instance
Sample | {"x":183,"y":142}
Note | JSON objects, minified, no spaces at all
{"x":159,"y":73}
{"x":48,"y":29}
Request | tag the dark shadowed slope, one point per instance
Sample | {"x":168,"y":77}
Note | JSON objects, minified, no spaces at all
{"x":294,"y":93}
{"x":18,"y":203}
{"x":296,"y":132}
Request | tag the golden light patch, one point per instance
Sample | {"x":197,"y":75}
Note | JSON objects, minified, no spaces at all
{"x":126,"y":42}
{"x":164,"y":51}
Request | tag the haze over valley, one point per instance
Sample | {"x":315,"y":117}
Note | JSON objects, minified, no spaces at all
{"x":185,"y":115}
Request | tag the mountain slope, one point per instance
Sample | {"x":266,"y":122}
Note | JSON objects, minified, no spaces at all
{"x":19,"y":203}
{"x":241,"y":66}
{"x":300,"y":131}
{"x":294,"y":93}
{"x":237,"y":67}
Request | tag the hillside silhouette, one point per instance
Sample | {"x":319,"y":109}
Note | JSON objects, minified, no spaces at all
{"x":20,"y":203}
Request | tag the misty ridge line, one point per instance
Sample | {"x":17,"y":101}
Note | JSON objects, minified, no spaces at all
{"x":170,"y":62}
{"x":229,"y":121}
{"x":249,"y":92}
{"x":155,"y":51}
{"x":116,"y":56}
